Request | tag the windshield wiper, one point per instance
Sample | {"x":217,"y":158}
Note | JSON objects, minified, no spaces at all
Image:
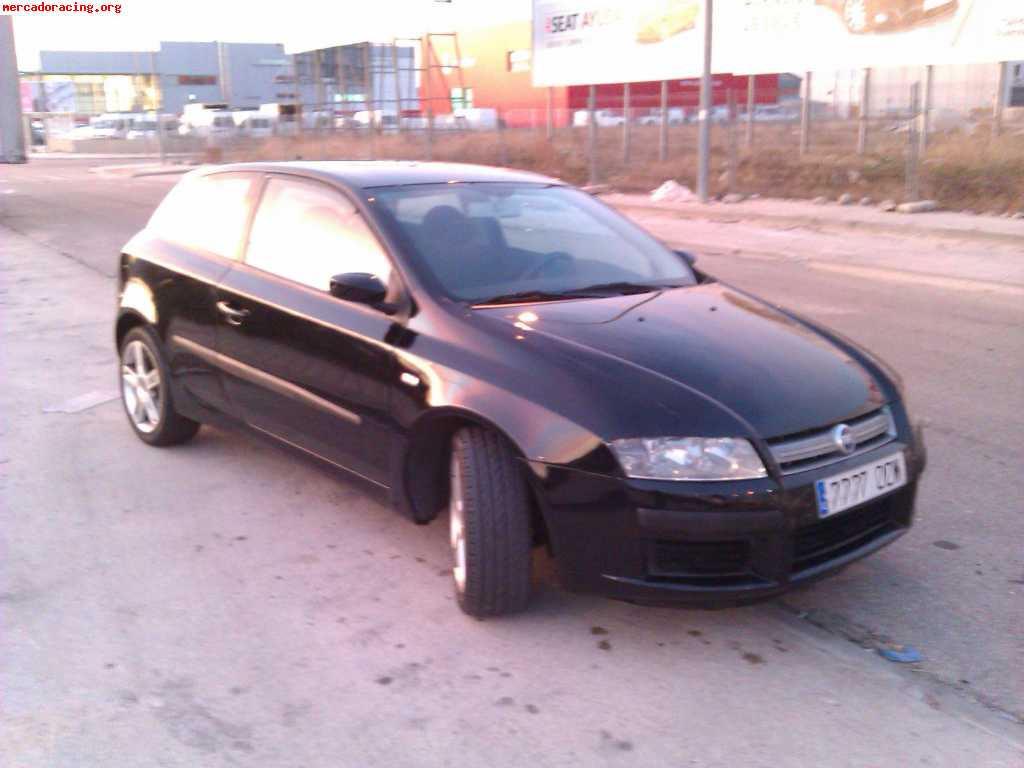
{"x":620,"y":287}
{"x":596,"y":291}
{"x":512,"y":298}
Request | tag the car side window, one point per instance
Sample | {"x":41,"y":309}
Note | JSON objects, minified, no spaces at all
{"x":207,"y":212}
{"x":307,"y":232}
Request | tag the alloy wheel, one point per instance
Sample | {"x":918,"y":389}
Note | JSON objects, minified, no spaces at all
{"x":141,"y":386}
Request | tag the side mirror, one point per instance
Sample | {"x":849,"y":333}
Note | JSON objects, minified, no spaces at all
{"x":360,"y":287}
{"x":689,"y":258}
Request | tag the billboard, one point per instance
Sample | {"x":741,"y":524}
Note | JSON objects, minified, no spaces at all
{"x":580,"y":42}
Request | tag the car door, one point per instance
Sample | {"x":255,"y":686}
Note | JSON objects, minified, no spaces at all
{"x":300,"y":364}
{"x":191,"y":242}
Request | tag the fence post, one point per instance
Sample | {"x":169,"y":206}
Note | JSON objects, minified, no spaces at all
{"x":502,"y":146}
{"x":663,"y":130}
{"x":371,"y":117}
{"x":430,"y":132}
{"x":398,"y":86}
{"x":805,"y":115}
{"x":592,"y":130}
{"x":159,"y":88}
{"x":297,"y":93}
{"x":750,"y":111}
{"x":912,"y":187}
{"x":926,"y":108}
{"x":733,"y":141}
{"x":997,"y":104}
{"x":627,"y":119}
{"x":865,"y":108}
{"x":550,"y":129}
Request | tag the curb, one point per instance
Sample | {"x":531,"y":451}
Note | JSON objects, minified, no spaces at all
{"x":136,"y":170}
{"x":898,"y":226}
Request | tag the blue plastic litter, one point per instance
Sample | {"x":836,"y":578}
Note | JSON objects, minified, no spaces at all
{"x":904,"y":654}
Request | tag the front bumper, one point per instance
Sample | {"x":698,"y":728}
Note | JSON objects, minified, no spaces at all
{"x":713,"y":543}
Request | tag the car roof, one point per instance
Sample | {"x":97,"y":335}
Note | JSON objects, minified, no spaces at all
{"x":387,"y":173}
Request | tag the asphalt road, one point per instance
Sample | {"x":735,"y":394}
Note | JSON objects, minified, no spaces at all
{"x":226,"y":604}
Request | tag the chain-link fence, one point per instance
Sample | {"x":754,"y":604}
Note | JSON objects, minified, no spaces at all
{"x":904,"y":148}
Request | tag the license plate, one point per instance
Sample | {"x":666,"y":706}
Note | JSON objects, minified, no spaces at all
{"x":863,"y":483}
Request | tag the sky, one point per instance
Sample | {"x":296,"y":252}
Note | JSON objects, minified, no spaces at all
{"x":299,"y":24}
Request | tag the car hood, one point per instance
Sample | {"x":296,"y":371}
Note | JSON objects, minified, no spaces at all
{"x":773,"y":372}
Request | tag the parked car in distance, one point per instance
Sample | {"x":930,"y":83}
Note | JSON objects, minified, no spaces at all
{"x":477,"y":118}
{"x":676,"y":116}
{"x":256,"y":126}
{"x":503,"y":349}
{"x":605,"y":118}
{"x":773,"y":113}
{"x":146,"y":128}
{"x":209,"y":123}
{"x":861,"y":16}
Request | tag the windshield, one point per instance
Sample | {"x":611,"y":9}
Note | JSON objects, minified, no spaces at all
{"x":502,"y":242}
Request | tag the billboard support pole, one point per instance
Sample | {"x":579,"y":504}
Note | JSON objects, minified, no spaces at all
{"x":663,"y":128}
{"x":805,"y":115}
{"x":704,"y":129}
{"x":750,"y":111}
{"x":865,"y":108}
{"x":926,"y":108}
{"x":550,"y":133}
{"x":912,"y":188}
{"x":627,"y":119}
{"x":997,"y":104}
{"x":592,"y":131}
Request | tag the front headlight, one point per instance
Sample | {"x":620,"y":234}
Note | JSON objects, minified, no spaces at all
{"x":688,"y":458}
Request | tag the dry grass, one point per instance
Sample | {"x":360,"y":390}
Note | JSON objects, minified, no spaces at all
{"x":974,"y":172}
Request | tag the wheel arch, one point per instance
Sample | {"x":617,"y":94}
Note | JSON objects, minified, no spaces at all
{"x":126,"y":320}
{"x":421,"y":471}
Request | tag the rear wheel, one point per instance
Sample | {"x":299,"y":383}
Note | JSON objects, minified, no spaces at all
{"x":489,"y":525}
{"x":145,"y":392}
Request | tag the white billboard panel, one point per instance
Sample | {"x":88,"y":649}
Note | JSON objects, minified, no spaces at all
{"x":578,"y":42}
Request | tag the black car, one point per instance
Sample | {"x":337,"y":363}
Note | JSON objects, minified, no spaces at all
{"x":506,"y":348}
{"x":873,"y":15}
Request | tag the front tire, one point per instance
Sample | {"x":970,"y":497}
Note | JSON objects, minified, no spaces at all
{"x":146,"y":393}
{"x":489,"y":525}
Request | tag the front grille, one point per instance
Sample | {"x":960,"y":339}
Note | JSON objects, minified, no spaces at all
{"x":699,"y":559}
{"x":798,"y":453}
{"x":836,"y":536}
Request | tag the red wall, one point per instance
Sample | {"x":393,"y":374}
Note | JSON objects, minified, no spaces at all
{"x":522,"y":105}
{"x":494,"y":86}
{"x":681,"y":93}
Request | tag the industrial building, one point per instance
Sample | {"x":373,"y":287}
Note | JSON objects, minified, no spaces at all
{"x":90,"y":82}
{"x":479,"y":67}
{"x":358,"y":76}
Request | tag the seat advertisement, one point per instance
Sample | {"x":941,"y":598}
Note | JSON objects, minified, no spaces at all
{"x":580,"y":43}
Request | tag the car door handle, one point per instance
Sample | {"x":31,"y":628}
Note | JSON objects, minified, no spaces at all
{"x":233,"y":315}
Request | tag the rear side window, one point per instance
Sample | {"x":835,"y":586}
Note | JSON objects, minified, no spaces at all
{"x":307,"y":232}
{"x":208,"y":212}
